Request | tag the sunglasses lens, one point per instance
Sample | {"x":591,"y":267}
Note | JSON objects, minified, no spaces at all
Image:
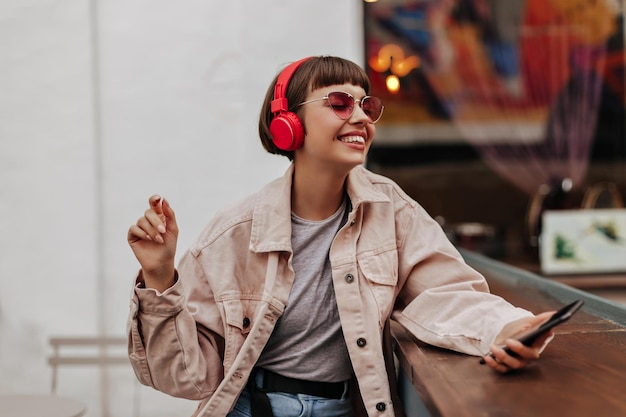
{"x":373,"y":107}
{"x":341,"y":103}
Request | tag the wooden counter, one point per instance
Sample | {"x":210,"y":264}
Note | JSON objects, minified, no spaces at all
{"x":581,"y":373}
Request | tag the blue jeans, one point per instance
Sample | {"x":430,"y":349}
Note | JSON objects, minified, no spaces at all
{"x":296,"y":405}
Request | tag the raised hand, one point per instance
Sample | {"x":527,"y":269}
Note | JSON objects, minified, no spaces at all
{"x":153,"y":241}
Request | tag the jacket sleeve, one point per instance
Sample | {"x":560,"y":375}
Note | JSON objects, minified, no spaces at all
{"x":442,"y":300}
{"x":168,"y":349}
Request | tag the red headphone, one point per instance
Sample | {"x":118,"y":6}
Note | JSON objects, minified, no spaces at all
{"x":285,"y":127}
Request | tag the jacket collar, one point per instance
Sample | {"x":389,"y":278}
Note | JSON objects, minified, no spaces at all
{"x":361,"y":188}
{"x":271,"y":219}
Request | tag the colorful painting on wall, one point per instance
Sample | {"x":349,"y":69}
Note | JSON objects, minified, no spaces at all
{"x":486,"y":65}
{"x":520,"y":81}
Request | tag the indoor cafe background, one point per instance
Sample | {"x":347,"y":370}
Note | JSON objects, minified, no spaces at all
{"x":103,"y":103}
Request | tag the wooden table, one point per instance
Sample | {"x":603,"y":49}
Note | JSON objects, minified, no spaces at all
{"x":22,"y":405}
{"x":581,"y":373}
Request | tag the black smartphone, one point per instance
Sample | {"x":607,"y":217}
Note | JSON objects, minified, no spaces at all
{"x":529,"y":337}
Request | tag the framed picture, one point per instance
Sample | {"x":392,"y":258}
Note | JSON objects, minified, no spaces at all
{"x":583,"y":241}
{"x":488,"y":71}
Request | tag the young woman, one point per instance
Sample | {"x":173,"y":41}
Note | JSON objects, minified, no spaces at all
{"x":281,"y":303}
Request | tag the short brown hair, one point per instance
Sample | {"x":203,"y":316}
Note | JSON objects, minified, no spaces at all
{"x":314,"y":73}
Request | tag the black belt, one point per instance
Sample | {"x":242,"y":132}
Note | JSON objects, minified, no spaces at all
{"x":273,"y":382}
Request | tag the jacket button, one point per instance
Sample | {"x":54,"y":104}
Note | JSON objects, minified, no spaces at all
{"x":349,"y":277}
{"x":381,"y":407}
{"x":360,"y":342}
{"x":246,"y":322}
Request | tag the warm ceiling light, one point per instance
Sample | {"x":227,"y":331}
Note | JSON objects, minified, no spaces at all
{"x":393,"y":84}
{"x":391,"y":57}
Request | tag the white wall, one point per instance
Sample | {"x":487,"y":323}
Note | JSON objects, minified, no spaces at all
{"x":103,"y":103}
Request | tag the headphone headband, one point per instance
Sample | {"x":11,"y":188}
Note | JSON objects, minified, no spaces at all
{"x":279,"y":104}
{"x":286,"y":128}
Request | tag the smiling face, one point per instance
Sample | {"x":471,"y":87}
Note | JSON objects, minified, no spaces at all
{"x":313,"y":79}
{"x":331,"y":142}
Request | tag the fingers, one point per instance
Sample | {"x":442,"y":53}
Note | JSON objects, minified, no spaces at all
{"x":515,"y":348}
{"x":170,"y":216}
{"x":144,"y":230}
{"x":157,"y":220}
{"x":541,"y":318}
{"x":508,"y":353}
{"x":155,"y":213}
{"x":491,"y":361}
{"x":502,"y":361}
{"x":155,"y":203}
{"x":163,"y":211}
{"x":515,"y":355}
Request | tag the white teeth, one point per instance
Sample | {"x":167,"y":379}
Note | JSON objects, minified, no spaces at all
{"x":353,"y":139}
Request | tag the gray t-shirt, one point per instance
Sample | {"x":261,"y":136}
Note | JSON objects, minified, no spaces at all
{"x":307,"y":342}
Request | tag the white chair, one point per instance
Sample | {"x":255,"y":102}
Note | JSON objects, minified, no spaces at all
{"x":100,"y":351}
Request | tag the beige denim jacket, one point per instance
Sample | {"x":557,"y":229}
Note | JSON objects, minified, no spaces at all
{"x":201,"y":338}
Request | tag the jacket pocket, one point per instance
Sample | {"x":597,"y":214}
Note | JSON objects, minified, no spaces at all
{"x":380,"y":271}
{"x":239,"y":313}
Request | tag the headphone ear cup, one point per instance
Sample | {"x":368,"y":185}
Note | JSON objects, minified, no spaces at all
{"x":287,"y":131}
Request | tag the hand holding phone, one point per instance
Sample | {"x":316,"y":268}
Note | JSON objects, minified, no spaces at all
{"x":530,"y":336}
